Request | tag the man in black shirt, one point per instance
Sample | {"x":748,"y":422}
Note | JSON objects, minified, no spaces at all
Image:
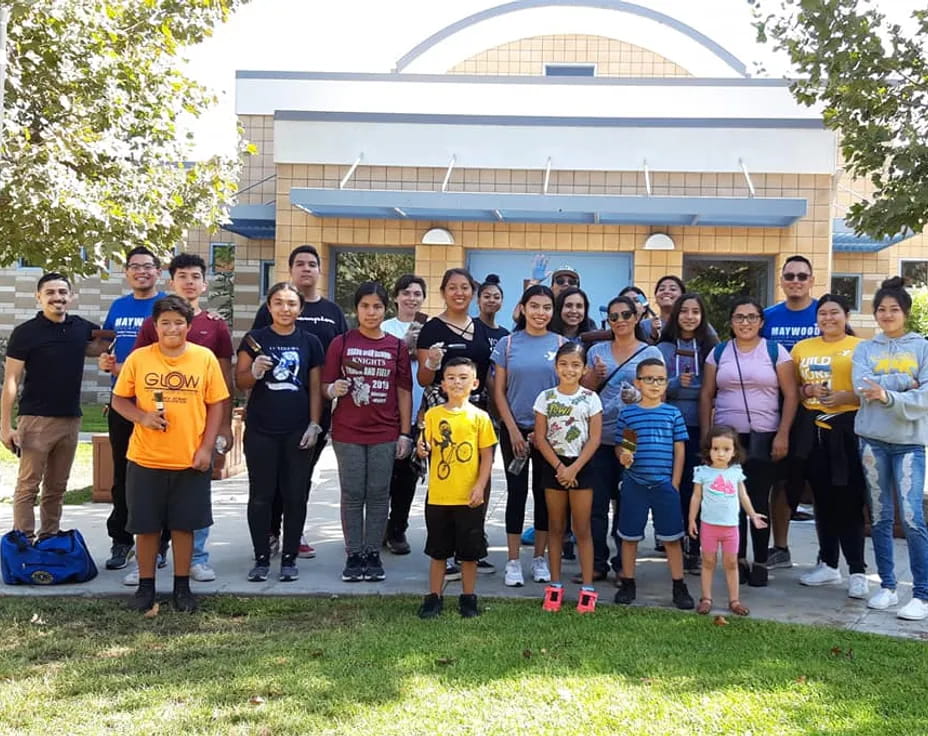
{"x":325,"y":320}
{"x":49,"y":351}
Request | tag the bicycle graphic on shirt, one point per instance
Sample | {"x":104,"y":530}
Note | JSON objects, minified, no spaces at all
{"x":450,"y":451}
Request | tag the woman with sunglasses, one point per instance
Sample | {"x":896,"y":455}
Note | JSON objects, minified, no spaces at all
{"x":523,"y":364}
{"x":572,"y":314}
{"x":823,"y":437}
{"x":646,"y":316}
{"x":686,"y":340}
{"x":742,"y":381}
{"x":611,"y":373}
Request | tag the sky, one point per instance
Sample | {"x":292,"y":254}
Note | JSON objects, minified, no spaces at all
{"x":370,"y":35}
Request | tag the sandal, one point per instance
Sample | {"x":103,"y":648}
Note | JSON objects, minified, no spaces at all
{"x":705,"y":605}
{"x":738,"y":608}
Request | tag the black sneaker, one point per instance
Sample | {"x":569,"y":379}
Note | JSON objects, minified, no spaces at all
{"x":432,"y":606}
{"x":485,"y":567}
{"x":627,"y":591}
{"x":373,"y":568}
{"x":757,"y":577}
{"x":452,"y":571}
{"x":142,"y":600}
{"x":119,"y":556}
{"x":259,"y":573}
{"x":354,"y":569}
{"x":184,"y":601}
{"x":397,"y":544}
{"x":288,"y":570}
{"x":681,"y":596}
{"x":467,"y":606}
{"x":568,"y":551}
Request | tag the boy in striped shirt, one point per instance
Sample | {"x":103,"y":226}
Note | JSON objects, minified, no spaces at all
{"x":650,"y":438}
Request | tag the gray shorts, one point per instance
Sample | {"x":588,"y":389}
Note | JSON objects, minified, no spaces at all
{"x":167,"y":499}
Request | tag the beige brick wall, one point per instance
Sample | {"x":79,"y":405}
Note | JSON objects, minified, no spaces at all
{"x":528,"y":56}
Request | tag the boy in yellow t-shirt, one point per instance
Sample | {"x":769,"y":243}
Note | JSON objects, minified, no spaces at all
{"x":459,"y":438}
{"x":173,"y":392}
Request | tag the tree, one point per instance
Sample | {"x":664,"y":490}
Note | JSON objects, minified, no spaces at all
{"x":92,"y":161}
{"x":353,"y":268}
{"x":872,"y":80}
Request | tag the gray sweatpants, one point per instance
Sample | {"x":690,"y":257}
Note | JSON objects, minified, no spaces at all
{"x":364,"y":473}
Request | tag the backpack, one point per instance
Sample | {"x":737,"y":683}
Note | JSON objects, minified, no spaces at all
{"x":63,"y":558}
{"x":773,"y":350}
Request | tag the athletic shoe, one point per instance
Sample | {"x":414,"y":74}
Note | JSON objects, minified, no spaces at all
{"x":142,"y":600}
{"x":305,"y":550}
{"x":288,"y":570}
{"x":373,"y":568}
{"x":467,"y":606}
{"x":884,"y":598}
{"x":485,"y":567}
{"x":354,"y":569}
{"x":514,"y":577}
{"x":452,"y":571}
{"x":131,"y":578}
{"x":627,"y":591}
{"x":821,"y":575}
{"x":202,"y":573}
{"x":274,"y":544}
{"x":915,"y":610}
{"x":119,"y":556}
{"x":259,"y":573}
{"x":858,"y":586}
{"x":692,"y":564}
{"x":779,"y":557}
{"x":432,"y":606}
{"x":681,"y":596}
{"x":398,"y":545}
{"x":568,"y":551}
{"x":540,"y":571}
{"x":184,"y":601}
{"x":803,"y":512}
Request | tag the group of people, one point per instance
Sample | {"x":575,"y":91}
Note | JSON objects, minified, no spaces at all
{"x":653,"y":416}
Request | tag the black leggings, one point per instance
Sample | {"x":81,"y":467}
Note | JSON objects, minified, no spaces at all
{"x":276,"y":464}
{"x":517,"y":487}
{"x":760,"y":475}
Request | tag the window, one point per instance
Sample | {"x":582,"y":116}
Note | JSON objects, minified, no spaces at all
{"x":267,"y":277}
{"x":570,"y":70}
{"x":915,"y":271}
{"x":848,"y":286}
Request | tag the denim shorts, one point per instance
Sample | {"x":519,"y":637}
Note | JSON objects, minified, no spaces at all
{"x":661,"y":499}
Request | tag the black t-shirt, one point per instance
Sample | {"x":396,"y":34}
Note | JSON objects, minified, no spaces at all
{"x":279,"y":402}
{"x":494,"y":335}
{"x":323,"y":318}
{"x":456,"y":346}
{"x":54,"y":354}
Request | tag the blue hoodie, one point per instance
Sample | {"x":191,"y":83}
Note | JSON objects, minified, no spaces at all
{"x":899,"y":365}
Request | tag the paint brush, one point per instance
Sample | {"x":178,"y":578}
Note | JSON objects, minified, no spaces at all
{"x":159,"y":406}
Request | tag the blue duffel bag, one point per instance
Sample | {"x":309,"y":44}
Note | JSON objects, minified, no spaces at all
{"x":63,"y":558}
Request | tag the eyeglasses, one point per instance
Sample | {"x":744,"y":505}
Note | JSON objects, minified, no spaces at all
{"x":566,"y":281}
{"x":802,"y":276}
{"x":141,"y":267}
{"x":624,"y":315}
{"x":654,"y":380}
{"x":742,"y":318}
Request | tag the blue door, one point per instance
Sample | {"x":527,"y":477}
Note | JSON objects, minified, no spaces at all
{"x":602,"y":275}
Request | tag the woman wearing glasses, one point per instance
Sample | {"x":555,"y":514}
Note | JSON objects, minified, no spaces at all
{"x":646,"y":316}
{"x":742,"y":381}
{"x":611,"y":374}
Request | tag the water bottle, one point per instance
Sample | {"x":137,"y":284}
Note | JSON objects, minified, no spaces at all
{"x":517,"y":464}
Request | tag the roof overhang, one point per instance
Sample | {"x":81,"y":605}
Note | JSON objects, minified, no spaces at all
{"x":253,"y":221}
{"x":845,"y":240}
{"x":549,"y":208}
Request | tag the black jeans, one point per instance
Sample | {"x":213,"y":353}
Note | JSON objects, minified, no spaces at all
{"x":277,"y":506}
{"x":276,"y":466}
{"x":517,"y":487}
{"x":402,"y":491}
{"x":120,"y":430}
{"x":606,"y":476}
{"x":760,"y":475}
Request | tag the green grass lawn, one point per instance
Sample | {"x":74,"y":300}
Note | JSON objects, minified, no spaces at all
{"x":93,"y":419}
{"x":81,"y":471}
{"x":367,"y":665}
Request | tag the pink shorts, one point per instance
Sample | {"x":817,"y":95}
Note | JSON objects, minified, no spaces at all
{"x":712,"y":535}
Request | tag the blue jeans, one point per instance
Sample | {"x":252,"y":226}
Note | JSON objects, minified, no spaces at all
{"x":200,"y":555}
{"x":901,"y":468}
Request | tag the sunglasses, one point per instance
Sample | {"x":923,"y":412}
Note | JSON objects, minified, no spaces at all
{"x":566,"y":281}
{"x":624,"y":315}
{"x":789,"y":276}
{"x":654,"y":380}
{"x":742,"y":318}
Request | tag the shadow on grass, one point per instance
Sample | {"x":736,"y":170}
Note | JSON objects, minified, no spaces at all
{"x":368,"y":663}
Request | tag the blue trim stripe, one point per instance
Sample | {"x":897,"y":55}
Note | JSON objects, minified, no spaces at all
{"x":618,"y":5}
{"x":845,"y":240}
{"x":546,"y":120}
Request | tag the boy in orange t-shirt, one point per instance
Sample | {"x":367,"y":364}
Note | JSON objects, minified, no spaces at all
{"x":173,"y":392}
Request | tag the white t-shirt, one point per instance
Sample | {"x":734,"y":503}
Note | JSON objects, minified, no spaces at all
{"x":720,"y":501}
{"x":568,"y":418}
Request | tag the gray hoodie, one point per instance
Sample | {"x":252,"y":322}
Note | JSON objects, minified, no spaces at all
{"x":899,"y":365}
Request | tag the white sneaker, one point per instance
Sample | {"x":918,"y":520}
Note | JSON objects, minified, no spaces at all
{"x":132,"y":577}
{"x":915,"y":610}
{"x":540,"y":571}
{"x":884,"y":599}
{"x":821,"y":575}
{"x":858,"y":586}
{"x":514,"y":574}
{"x":202,"y":573}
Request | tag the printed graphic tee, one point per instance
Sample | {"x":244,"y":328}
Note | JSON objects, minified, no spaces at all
{"x":529,"y":363}
{"x":818,"y":361}
{"x":568,"y":418}
{"x":323,"y":318}
{"x":375,"y":369}
{"x":456,"y":436}
{"x":720,"y":503}
{"x":125,"y":318}
{"x":188,"y":383}
{"x":788,"y":326}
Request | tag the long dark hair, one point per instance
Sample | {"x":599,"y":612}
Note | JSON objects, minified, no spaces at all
{"x":630,"y":303}
{"x":557,"y":322}
{"x":704,"y":337}
{"x":536,"y":290}
{"x":843,"y":302}
{"x":641,"y":332}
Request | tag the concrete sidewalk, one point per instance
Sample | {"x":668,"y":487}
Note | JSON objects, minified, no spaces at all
{"x":231,"y":556}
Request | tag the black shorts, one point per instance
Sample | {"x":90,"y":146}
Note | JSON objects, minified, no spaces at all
{"x":167,"y":499}
{"x":455,"y":531}
{"x":549,"y":477}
